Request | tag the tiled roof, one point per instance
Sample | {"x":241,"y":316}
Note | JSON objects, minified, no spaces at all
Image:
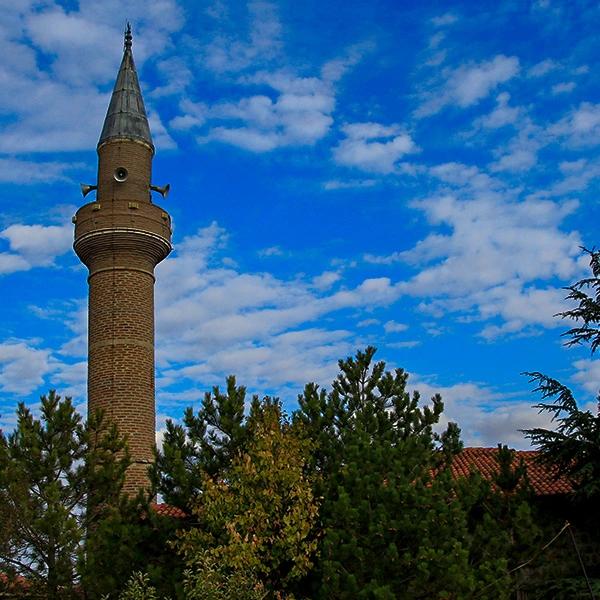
{"x":166,"y":510}
{"x":541,"y":477}
{"x":15,"y":582}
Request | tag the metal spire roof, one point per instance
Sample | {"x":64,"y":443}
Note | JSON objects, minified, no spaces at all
{"x":126,"y":116}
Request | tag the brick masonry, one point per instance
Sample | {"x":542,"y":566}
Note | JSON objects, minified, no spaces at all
{"x":121,"y":237}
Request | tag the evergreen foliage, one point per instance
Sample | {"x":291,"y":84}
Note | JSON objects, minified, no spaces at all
{"x":586,"y":292}
{"x":574,"y":446}
{"x":58,"y":479}
{"x":132,"y":538}
{"x":204,"y":445}
{"x":396,"y":524}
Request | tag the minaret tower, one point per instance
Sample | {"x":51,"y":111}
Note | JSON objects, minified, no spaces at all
{"x":121,"y":237}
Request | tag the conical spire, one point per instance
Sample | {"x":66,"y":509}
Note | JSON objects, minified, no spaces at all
{"x":126,"y":116}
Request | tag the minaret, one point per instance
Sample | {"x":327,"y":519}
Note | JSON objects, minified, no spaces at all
{"x":121,"y":237}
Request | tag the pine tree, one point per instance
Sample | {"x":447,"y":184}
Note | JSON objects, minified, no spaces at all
{"x":58,"y":478}
{"x":392,"y":526}
{"x":205,"y":444}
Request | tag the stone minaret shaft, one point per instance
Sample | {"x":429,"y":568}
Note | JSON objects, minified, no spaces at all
{"x":121,"y":237}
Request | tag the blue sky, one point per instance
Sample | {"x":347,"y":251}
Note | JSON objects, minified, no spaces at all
{"x":415,"y":177}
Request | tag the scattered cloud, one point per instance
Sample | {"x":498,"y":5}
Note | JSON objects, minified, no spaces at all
{"x":300,"y":115}
{"x":581,"y":127}
{"x":502,"y":115}
{"x":292,"y":109}
{"x":587,"y":375}
{"x":543,"y":68}
{"x":373,"y":147}
{"x":210,"y":318}
{"x":404,"y":345}
{"x":271,"y":251}
{"x":346,"y":184}
{"x":326,"y":280}
{"x":563,"y":88}
{"x":228,"y":53}
{"x":444,"y":20}
{"x":488,"y":253}
{"x":394,"y":327}
{"x":58,"y":78}
{"x":485,"y":416}
{"x":521,"y":152}
{"x":467,"y":84}
{"x":23,"y":366}
{"x":33,"y":246}
{"x":25,"y":172}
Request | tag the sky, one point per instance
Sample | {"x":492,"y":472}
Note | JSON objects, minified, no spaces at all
{"x":419,"y":177}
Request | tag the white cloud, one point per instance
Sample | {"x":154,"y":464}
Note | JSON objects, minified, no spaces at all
{"x":57,"y":102}
{"x":226,"y":53}
{"x":24,"y":172}
{"x":325,"y":280}
{"x":563,"y":88}
{"x":542,"y":68}
{"x":367,"y":322}
{"x":299,"y":115}
{"x":291,"y":110}
{"x":34,"y":246}
{"x":502,"y":115}
{"x":468,"y":84}
{"x":444,"y":20}
{"x":394,"y":327}
{"x":271,"y":251}
{"x":213,"y":320}
{"x":581,"y":127}
{"x":576,"y":176}
{"x":71,"y":379}
{"x":22,"y":366}
{"x":194,"y":115}
{"x":588,"y":375}
{"x":177,"y":77}
{"x":160,"y":135}
{"x":491,"y":243}
{"x":521,"y":152}
{"x":289,"y":359}
{"x":485,"y":416}
{"x":404,"y":344}
{"x":489,"y":252}
{"x":373,"y":147}
{"x":389,"y":259}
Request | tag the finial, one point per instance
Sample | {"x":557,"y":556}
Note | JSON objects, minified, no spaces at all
{"x":128,"y":36}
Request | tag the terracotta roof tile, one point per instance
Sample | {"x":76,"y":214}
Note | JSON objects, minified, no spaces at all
{"x":166,"y":510}
{"x":542,"y":479}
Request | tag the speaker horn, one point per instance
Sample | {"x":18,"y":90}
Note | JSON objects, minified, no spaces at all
{"x":86,"y":189}
{"x":163,"y":191}
{"x":120,"y":174}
